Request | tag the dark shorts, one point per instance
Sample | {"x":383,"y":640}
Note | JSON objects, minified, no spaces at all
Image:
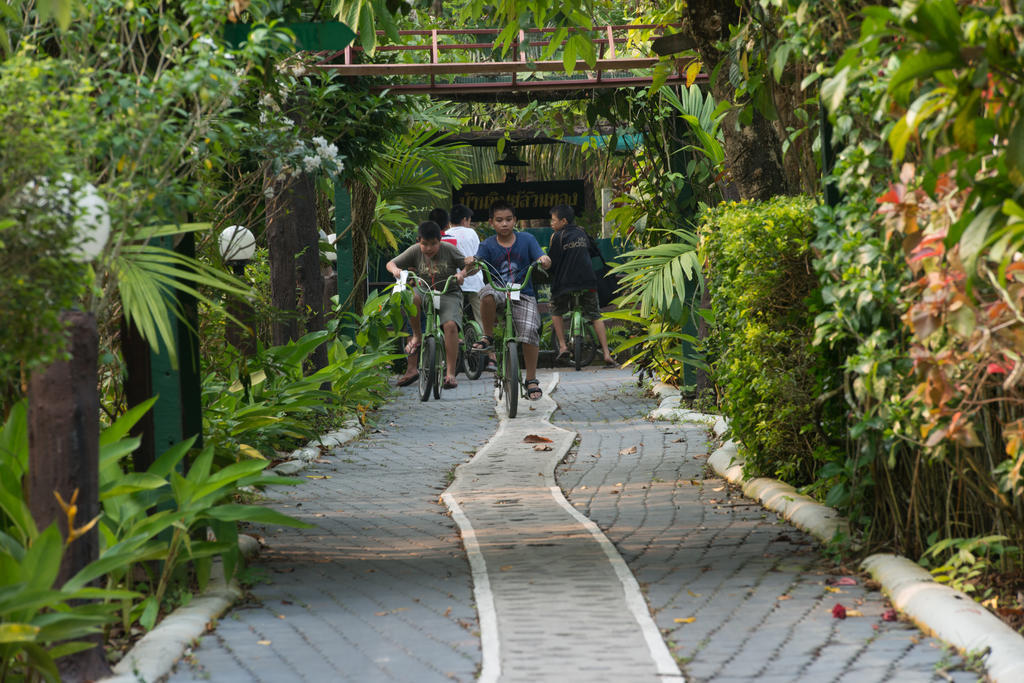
{"x":562,"y":304}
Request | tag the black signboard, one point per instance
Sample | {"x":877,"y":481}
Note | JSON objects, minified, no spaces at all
{"x":531,"y":200}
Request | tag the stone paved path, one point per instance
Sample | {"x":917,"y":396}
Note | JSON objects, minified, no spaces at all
{"x":739,"y":595}
{"x":380,"y":590}
{"x":564,"y":605}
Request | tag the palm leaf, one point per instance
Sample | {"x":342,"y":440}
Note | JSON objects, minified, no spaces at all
{"x":150,"y":278}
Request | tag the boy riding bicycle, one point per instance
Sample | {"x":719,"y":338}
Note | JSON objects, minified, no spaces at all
{"x":509,"y":254}
{"x":434,"y":262}
{"x":571,"y":250}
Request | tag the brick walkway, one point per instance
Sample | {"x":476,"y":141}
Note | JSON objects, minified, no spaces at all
{"x":381,"y":589}
{"x":739,"y":595}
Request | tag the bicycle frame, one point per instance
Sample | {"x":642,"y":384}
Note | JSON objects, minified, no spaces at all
{"x":509,"y":341}
{"x":432,"y":363}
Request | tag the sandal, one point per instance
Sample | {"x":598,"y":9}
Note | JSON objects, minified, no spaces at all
{"x":406,"y":380}
{"x":533,"y":390}
{"x":412,"y":347}
{"x":484,"y":343}
{"x":450,"y":383}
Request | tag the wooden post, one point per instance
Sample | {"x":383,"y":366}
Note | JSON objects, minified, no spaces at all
{"x":64,"y":443}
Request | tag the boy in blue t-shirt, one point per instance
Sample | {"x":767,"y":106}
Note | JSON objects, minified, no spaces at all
{"x":510,"y":253}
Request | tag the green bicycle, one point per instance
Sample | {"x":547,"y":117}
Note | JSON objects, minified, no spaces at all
{"x":582,"y":344}
{"x":433,"y":360}
{"x":508,"y":377}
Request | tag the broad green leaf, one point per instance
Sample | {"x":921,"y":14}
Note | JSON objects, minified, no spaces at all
{"x":234,"y":512}
{"x":921,"y":65}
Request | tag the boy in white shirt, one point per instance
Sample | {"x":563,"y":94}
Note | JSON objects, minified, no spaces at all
{"x":468,"y":242}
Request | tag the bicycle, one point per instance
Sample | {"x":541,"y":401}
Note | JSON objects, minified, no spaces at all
{"x":582,"y":345}
{"x":507,"y":374}
{"x":472,"y":362}
{"x":433,"y":361}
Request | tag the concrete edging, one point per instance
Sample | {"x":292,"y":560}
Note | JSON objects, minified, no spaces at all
{"x":948,"y":614}
{"x":156,"y":653}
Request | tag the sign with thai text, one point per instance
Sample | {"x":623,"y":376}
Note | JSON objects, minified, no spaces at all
{"x":531,"y":199}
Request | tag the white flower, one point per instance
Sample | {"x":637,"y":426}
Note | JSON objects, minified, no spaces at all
{"x":311,"y":162}
{"x":319,"y":141}
{"x":287,"y":122}
{"x":206,"y":40}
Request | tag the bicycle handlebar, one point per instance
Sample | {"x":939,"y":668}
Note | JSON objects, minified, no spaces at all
{"x":416,"y":279}
{"x":491,"y":276}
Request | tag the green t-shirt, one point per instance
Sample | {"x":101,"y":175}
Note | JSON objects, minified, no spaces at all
{"x":446,"y":262}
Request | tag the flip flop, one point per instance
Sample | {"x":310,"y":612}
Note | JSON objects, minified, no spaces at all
{"x":450,"y":383}
{"x":484,"y":343}
{"x":412,"y":347}
{"x":406,"y":381}
{"x":611,"y":364}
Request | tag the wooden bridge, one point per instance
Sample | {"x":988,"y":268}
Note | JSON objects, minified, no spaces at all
{"x":468,"y":63}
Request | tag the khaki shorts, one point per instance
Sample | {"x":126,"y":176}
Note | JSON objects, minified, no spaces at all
{"x":474,"y":304}
{"x":451,"y":306}
{"x":562,"y":304}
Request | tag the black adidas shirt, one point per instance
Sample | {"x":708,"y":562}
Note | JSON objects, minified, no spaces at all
{"x":571,"y":269}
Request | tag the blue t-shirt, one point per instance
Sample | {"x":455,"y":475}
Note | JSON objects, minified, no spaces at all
{"x":511,"y":263}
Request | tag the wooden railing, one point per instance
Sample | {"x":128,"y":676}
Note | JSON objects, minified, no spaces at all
{"x":441,"y":56}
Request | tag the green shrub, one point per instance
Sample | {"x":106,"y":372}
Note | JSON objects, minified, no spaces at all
{"x":760,"y":348}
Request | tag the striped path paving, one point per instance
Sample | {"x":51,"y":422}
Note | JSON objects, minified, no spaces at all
{"x":555,"y":599}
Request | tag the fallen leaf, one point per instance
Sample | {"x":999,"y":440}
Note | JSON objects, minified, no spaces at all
{"x":381,"y":614}
{"x":628,"y":451}
{"x":839,"y":612}
{"x":280,"y":616}
{"x":692,"y":594}
{"x":541,"y":447}
{"x":685,"y":620}
{"x":842,"y":581}
{"x":854,"y":613}
{"x":890,"y":615}
{"x":614,"y":491}
{"x":318,"y":476}
{"x":535,"y":438}
{"x":830,"y":589}
{"x":785,"y":597}
{"x":263,"y":642}
{"x":506,"y":568}
{"x":720,"y":488}
{"x":679,"y":440}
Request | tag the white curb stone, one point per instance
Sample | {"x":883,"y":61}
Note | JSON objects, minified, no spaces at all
{"x":950,"y":615}
{"x":939,"y":610}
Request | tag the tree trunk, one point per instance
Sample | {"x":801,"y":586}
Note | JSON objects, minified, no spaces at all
{"x":64,"y":452}
{"x":296,"y":289}
{"x":753,"y":153}
{"x":364,"y":203}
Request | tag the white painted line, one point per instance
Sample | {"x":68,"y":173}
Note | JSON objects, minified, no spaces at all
{"x":490,"y":669}
{"x":663,"y":660}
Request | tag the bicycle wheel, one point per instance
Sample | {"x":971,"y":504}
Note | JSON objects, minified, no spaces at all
{"x":472,"y":362}
{"x":589,"y":345}
{"x":512,"y":381}
{"x":428,"y":353}
{"x":440,"y":369}
{"x":577,"y":352}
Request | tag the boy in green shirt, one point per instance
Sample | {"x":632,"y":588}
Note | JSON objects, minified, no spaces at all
{"x":434,"y":262}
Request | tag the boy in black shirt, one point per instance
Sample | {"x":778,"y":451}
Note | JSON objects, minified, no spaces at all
{"x":571,"y":250}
